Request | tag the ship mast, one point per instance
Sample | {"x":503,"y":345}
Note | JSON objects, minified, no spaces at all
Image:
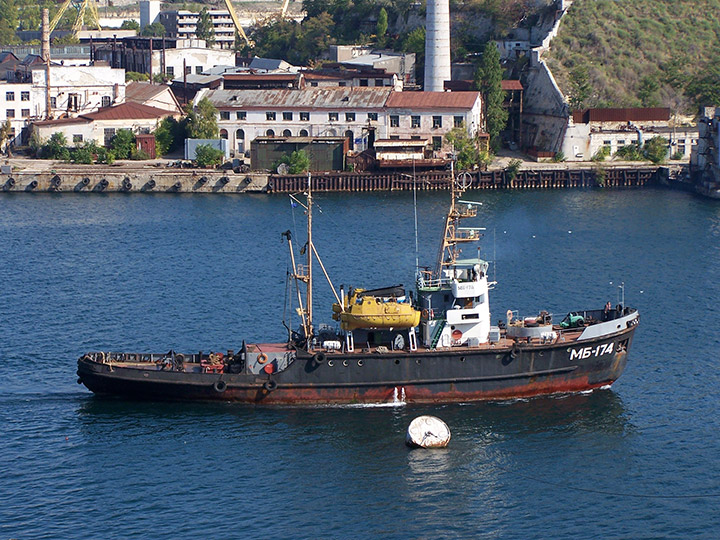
{"x":305,"y":273}
{"x":454,"y":234}
{"x":310,"y":248}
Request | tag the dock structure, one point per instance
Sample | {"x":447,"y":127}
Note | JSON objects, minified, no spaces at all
{"x":526,"y":179}
{"x":88,"y":179}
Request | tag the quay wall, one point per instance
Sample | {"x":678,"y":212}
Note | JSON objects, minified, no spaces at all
{"x":89,"y":179}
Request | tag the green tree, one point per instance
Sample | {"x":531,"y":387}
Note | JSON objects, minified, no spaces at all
{"x":298,"y":162}
{"x":488,"y":80}
{"x":135,"y":76}
{"x":8,"y":22}
{"x":580,"y":88}
{"x":414,"y":42}
{"x":123,"y":143}
{"x":467,"y":153}
{"x":155,"y":29}
{"x":204,"y":28}
{"x":207,"y":155}
{"x":512,"y":169}
{"x":168,"y":135}
{"x":656,"y":149}
{"x":5,"y":129}
{"x":201,"y":121}
{"x":130,"y":24}
{"x":647,"y":91}
{"x":381,"y":27}
{"x":56,"y":148}
{"x":705,"y":89}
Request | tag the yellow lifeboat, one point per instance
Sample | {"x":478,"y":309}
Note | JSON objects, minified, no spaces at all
{"x":373,"y":310}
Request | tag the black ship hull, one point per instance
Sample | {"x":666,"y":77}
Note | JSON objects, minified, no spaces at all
{"x":424,"y":376}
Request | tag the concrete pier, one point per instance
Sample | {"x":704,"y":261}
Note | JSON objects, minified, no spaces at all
{"x":41,"y":177}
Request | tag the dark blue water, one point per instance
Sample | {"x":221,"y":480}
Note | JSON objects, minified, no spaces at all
{"x":148,"y":273}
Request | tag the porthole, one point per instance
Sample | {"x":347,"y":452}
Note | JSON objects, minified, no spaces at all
{"x":361,"y":363}
{"x":331,"y":363}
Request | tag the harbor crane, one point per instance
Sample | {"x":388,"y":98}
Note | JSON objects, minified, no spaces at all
{"x":82,"y":7}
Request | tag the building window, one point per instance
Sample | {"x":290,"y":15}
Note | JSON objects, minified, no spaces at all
{"x":343,"y":83}
{"x":363,"y":82}
{"x":333,"y":117}
{"x":53,"y":102}
{"x":287,"y":116}
{"x":394,"y":120}
{"x":25,"y":113}
{"x":25,"y":96}
{"x":349,"y":116}
{"x":73,"y":102}
{"x":9,"y":96}
{"x":437,"y":122}
{"x":458,"y":121}
{"x":304,"y":116}
{"x":224,"y":115}
{"x":313,"y":83}
{"x":198,"y":70}
{"x":351,"y":139}
{"x":270,"y":133}
{"x":415,"y":121}
{"x":287,"y":133}
{"x":188,"y":70}
{"x":223,"y":134}
{"x":415,"y":137}
{"x":170,"y":71}
{"x":379,"y":82}
{"x":108,"y":135}
{"x":621,"y":142}
{"x":372,"y":116}
{"x":105,"y":101}
{"x":394,"y":137}
{"x":681,"y":149}
{"x":77,"y":138}
{"x":241,"y":115}
{"x":240,"y":135}
{"x":270,"y":116}
{"x":10,"y":113}
{"x":437,"y":143}
{"x":303,"y":133}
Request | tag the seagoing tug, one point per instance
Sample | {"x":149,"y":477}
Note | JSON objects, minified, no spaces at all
{"x":437,"y":345}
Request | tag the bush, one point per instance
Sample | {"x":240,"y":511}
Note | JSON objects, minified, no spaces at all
{"x":123,"y":143}
{"x":677,"y":156}
{"x":559,"y":157}
{"x":631,"y":152}
{"x":512,"y":170}
{"x":56,"y":148}
{"x":138,"y":154}
{"x":208,"y":156}
{"x":601,"y":154}
{"x":82,"y":154}
{"x":656,"y":149}
{"x":168,"y":135}
{"x":135,"y":76}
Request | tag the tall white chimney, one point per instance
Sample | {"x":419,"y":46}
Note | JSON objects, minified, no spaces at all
{"x":437,"y":45}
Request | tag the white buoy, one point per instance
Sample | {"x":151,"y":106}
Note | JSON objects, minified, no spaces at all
{"x":427,"y":432}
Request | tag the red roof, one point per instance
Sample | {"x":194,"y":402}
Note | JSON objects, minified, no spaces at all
{"x":511,"y":85}
{"x":127,"y":111}
{"x":647,"y":114}
{"x":432,"y":100}
{"x":260,"y":77}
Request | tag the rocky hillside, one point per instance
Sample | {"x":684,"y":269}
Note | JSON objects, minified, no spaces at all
{"x":612,"y":53}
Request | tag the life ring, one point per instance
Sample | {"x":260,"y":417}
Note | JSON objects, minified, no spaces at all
{"x":270,"y":385}
{"x":425,"y":313}
{"x":319,"y":358}
{"x":262,"y":358}
{"x":220,"y":386}
{"x":509,"y":315}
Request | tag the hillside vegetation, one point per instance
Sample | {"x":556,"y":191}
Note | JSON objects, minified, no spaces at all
{"x":612,"y":53}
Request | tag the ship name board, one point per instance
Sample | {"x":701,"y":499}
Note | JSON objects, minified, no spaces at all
{"x":586,"y":352}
